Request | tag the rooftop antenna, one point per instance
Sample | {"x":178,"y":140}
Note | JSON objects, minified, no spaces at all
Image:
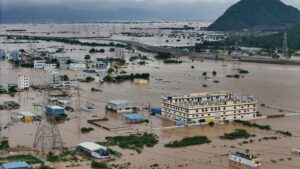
{"x":285,"y":48}
{"x":47,"y":137}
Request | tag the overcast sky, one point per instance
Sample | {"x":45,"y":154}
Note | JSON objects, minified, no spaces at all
{"x":205,"y":9}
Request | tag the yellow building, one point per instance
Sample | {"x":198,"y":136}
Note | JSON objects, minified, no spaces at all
{"x":140,"y":81}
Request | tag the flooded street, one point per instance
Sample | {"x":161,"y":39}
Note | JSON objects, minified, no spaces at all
{"x":276,"y":85}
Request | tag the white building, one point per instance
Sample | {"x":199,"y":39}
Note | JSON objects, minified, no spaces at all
{"x":120,"y":53}
{"x":39,"y":64}
{"x":54,"y":79}
{"x":238,"y":159}
{"x":122,"y":106}
{"x":50,"y":67}
{"x":23,"y":82}
{"x":208,"y":107}
{"x":93,"y":149}
{"x":63,"y":58}
{"x":77,"y":66}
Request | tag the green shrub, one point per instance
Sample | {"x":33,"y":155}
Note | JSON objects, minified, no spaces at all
{"x":99,"y":165}
{"x":237,"y":134}
{"x":86,"y":129}
{"x":52,"y":157}
{"x":254,"y":125}
{"x":188,"y":141}
{"x":134,"y":141}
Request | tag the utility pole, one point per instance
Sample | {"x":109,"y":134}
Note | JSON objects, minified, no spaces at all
{"x":47,"y":137}
{"x":285,"y":48}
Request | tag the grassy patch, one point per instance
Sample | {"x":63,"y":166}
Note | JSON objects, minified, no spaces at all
{"x":285,"y":133}
{"x":86,"y":129}
{"x":253,"y":125}
{"x":116,"y":60}
{"x":4,"y":144}
{"x":237,"y":134}
{"x":172,"y":61}
{"x":99,"y":165}
{"x":27,"y":158}
{"x":243,"y":71}
{"x":52,"y":157}
{"x":95,"y":90}
{"x":188,"y":141}
{"x":122,"y":78}
{"x":133,"y":58}
{"x":134,"y":141}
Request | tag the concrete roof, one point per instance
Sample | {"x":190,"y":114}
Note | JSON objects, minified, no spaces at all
{"x":55,"y":107}
{"x":134,"y":116}
{"x":15,"y":165}
{"x":91,"y":146}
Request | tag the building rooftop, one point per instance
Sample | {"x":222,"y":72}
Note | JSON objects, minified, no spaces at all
{"x":55,"y":107}
{"x":91,"y":146}
{"x":15,"y":165}
{"x":234,"y":98}
{"x":204,"y":94}
{"x":134,"y":116}
{"x":121,"y":102}
{"x":25,"y":113}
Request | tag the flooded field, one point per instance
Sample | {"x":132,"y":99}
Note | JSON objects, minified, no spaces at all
{"x":276,"y":85}
{"x":153,"y":33}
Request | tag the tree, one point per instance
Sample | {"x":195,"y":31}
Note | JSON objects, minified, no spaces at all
{"x":214,"y":73}
{"x":87,"y":58}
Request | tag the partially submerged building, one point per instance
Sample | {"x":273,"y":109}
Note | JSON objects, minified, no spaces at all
{"x":39,"y":64}
{"x":54,"y":79}
{"x":56,"y":111}
{"x":122,"y":106}
{"x":238,"y":159}
{"x":208,"y":107}
{"x":23,"y":82}
{"x":93,"y":149}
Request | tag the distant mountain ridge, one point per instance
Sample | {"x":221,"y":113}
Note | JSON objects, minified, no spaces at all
{"x":257,"y":15}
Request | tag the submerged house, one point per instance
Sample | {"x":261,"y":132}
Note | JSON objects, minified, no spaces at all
{"x":93,"y":149}
{"x":56,"y":111}
{"x":122,"y":106}
{"x":238,"y":159}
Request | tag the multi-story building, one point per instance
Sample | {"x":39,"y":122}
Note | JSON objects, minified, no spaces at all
{"x":54,"y":79}
{"x":39,"y":64}
{"x":120,"y":53}
{"x":23,"y":82}
{"x":208,"y":107}
{"x":2,"y":53}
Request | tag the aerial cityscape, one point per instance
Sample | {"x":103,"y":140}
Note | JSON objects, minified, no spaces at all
{"x":162,"y":84}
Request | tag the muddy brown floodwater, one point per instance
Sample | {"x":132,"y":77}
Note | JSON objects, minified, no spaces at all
{"x":277,"y":85}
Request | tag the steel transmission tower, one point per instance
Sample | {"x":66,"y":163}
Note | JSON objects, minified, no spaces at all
{"x":285,"y":48}
{"x":47,"y":137}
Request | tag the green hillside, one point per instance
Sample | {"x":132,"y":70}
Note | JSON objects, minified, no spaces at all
{"x":257,"y":15}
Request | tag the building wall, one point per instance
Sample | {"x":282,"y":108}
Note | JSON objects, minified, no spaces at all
{"x":205,"y":113}
{"x":39,"y":64}
{"x":23,"y":82}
